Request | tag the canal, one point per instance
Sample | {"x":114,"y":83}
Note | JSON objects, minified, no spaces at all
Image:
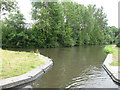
{"x":75,"y":67}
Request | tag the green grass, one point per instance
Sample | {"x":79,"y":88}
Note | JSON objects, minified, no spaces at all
{"x":15,"y":63}
{"x":109,"y":49}
{"x":114,"y":63}
{"x":112,"y":49}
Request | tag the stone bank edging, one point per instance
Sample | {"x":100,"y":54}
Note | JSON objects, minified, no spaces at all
{"x":27,"y":77}
{"x":111,"y":70}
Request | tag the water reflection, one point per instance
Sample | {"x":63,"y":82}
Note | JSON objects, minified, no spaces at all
{"x":75,"y":67}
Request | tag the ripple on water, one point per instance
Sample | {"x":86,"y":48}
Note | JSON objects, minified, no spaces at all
{"x":91,"y":77}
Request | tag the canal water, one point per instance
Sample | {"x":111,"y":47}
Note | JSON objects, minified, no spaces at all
{"x":75,"y":67}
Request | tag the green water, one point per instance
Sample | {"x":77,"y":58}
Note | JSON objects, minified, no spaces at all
{"x":78,"y":67}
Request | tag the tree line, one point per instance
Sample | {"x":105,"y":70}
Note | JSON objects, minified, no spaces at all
{"x":56,"y":24}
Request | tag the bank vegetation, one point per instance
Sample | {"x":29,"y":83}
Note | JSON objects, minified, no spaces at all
{"x":114,"y":50}
{"x":55,"y":24}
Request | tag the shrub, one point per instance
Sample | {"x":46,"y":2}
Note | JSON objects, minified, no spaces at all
{"x":109,"y":49}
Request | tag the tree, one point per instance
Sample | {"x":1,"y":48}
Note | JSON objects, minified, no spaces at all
{"x":13,"y":30}
{"x":7,"y":6}
{"x":13,"y":26}
{"x":49,"y":22}
{"x":118,"y":38}
{"x":111,"y":34}
{"x":57,"y":24}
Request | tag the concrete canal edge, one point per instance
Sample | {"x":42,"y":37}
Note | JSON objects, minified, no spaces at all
{"x":111,"y":70}
{"x":27,"y":77}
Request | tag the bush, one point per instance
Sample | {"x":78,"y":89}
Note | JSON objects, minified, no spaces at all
{"x":109,"y":49}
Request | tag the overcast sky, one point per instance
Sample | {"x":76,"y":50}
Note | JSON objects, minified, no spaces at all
{"x":110,"y":8}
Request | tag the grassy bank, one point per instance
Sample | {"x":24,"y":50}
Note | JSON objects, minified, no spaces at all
{"x":112,"y":49}
{"x":15,"y":63}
